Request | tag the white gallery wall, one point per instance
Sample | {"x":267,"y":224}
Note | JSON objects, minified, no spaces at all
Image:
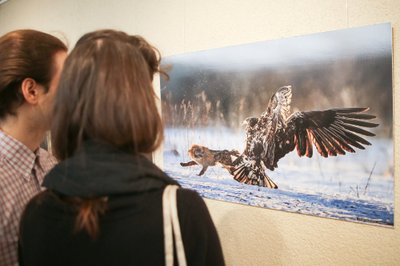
{"x":249,"y":235}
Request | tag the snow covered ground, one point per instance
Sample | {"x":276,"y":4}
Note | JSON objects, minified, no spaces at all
{"x":355,"y":187}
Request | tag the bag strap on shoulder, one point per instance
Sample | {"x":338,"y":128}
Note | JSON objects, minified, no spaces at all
{"x":172,"y":229}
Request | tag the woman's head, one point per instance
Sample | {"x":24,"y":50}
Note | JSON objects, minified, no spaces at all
{"x":105,"y":94}
{"x":149,"y":52}
{"x":26,"y":54}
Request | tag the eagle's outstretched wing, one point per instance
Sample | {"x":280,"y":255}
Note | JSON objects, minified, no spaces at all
{"x":261,"y":132}
{"x":332,"y":132}
{"x":272,"y":121}
{"x":277,"y":112}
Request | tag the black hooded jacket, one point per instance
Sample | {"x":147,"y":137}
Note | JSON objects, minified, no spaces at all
{"x":131,"y":230}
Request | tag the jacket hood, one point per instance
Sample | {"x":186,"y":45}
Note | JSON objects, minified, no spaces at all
{"x":100,"y":169}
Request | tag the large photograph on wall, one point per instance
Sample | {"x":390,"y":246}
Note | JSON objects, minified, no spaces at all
{"x":302,"y":124}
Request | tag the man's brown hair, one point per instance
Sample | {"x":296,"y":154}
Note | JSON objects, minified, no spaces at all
{"x":25,"y":54}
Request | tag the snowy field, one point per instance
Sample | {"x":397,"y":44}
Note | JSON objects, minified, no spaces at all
{"x":356,"y":187}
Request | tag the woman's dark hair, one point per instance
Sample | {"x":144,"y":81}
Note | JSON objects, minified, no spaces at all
{"x":149,"y":52}
{"x":105,"y":94}
{"x":25,"y":54}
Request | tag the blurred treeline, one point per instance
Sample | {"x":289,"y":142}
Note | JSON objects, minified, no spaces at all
{"x":201,"y":96}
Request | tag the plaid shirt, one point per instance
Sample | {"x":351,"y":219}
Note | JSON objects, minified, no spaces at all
{"x":21,"y":174}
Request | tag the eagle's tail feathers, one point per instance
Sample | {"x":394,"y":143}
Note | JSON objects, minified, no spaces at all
{"x":252,"y":174}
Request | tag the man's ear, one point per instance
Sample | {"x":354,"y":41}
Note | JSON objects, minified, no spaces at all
{"x":30,"y":90}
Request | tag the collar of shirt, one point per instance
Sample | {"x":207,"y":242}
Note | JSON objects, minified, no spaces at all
{"x":18,"y":155}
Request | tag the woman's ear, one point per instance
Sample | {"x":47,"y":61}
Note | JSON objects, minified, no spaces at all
{"x":30,"y":90}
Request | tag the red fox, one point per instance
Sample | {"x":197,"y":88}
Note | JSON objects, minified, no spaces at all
{"x":205,"y":157}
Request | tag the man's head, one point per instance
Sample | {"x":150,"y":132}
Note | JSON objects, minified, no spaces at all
{"x":30,"y":66}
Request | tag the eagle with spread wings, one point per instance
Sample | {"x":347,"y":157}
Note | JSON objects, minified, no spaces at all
{"x":277,"y":132}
